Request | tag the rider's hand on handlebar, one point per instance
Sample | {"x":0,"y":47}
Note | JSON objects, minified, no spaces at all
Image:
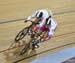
{"x":25,"y":20}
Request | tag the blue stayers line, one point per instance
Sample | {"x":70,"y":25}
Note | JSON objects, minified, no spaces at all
{"x":57,"y":57}
{"x":25,"y":18}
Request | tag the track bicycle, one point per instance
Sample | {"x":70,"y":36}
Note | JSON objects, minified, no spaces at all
{"x":24,"y":32}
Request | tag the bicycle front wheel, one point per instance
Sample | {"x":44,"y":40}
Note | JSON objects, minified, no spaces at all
{"x":21,"y":34}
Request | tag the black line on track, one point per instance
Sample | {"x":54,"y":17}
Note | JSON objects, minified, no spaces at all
{"x":43,"y":52}
{"x":16,"y":20}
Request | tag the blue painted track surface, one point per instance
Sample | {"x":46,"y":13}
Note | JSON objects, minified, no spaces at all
{"x":57,"y":57}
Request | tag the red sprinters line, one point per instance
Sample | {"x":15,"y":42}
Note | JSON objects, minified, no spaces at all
{"x":23,"y":45}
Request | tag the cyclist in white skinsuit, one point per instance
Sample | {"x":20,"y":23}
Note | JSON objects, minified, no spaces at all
{"x":49,"y":25}
{"x":46,"y":18}
{"x":41,"y":15}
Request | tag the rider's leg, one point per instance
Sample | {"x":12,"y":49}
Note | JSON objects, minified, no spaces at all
{"x":39,"y":41}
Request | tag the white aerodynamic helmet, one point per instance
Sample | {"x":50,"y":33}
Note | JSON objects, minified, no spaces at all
{"x":48,"y":22}
{"x":39,"y":14}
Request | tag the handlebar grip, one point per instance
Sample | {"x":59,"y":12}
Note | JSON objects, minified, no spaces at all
{"x":25,"y":21}
{"x":29,"y":21}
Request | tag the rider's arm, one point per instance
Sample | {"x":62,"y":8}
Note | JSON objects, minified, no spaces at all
{"x":47,"y":38}
{"x":32,"y":16}
{"x":35,"y":28}
{"x":48,"y":35}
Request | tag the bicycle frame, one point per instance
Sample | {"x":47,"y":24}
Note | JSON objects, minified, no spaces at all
{"x":24,"y":32}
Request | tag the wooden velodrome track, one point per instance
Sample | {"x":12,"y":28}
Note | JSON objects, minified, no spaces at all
{"x":16,"y":10}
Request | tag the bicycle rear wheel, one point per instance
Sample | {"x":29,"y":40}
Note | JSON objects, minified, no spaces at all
{"x":21,"y":34}
{"x":25,"y":49}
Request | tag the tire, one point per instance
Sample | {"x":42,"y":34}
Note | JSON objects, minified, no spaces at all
{"x":25,"y":49}
{"x":21,"y":34}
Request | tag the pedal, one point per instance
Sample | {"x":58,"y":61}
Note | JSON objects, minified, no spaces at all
{"x":37,"y":46}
